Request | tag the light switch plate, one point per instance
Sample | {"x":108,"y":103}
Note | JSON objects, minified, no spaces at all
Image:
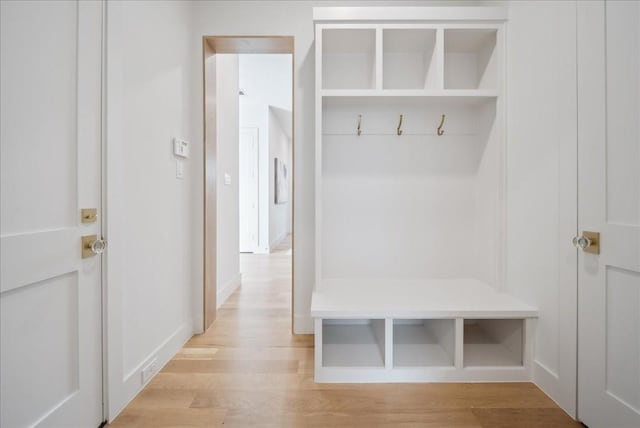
{"x":180,"y":148}
{"x":227,"y":178}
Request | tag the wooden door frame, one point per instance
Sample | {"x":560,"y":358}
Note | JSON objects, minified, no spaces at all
{"x":212,"y":45}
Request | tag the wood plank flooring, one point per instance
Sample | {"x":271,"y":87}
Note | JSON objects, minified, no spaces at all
{"x":248,"y":370}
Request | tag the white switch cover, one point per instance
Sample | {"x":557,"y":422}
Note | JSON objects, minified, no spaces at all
{"x":180,"y":148}
{"x":179,"y":168}
{"x":227,"y":178}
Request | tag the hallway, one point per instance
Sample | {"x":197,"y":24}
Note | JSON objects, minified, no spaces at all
{"x":249,"y":370}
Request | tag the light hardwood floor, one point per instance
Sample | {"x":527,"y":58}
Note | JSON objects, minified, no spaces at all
{"x":248,"y":370}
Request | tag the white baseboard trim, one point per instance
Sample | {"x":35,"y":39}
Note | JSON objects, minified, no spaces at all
{"x":303,"y":324}
{"x":277,"y":241}
{"x":198,"y":325}
{"x":227,"y":289}
{"x":549,"y":383}
{"x":545,"y":378}
{"x":132,"y":382}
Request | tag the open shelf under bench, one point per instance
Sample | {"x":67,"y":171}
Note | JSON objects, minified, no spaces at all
{"x":420,"y":331}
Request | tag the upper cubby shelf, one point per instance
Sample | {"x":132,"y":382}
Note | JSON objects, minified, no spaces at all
{"x":470,"y":59}
{"x":348,"y":58}
{"x":408,"y":59}
{"x":431,"y":60}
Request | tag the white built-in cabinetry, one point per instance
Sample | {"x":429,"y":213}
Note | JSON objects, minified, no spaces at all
{"x":410,"y":199}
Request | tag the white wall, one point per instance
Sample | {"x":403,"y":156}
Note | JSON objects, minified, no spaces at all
{"x":417,"y":191}
{"x":153,"y":264}
{"x":266,"y":81}
{"x":280,"y":148}
{"x":227,"y":162}
{"x":488,"y":217}
{"x":541,"y":188}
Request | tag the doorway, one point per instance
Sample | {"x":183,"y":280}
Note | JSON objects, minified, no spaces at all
{"x":248,"y":158}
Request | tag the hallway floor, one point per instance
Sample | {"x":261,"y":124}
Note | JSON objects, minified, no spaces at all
{"x":249,"y":370}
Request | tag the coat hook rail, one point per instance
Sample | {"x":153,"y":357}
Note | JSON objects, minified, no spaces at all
{"x":399,"y":129}
{"x":440,"y":130}
{"x":359,"y":131}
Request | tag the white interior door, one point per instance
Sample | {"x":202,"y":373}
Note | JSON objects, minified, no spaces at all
{"x":248,"y":184}
{"x":609,"y":203}
{"x":50,"y":298}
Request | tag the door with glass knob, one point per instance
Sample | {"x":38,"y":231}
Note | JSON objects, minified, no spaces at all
{"x":50,"y":297}
{"x":609,"y":202}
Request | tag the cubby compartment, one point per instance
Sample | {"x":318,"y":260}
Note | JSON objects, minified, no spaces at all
{"x":409,"y":59}
{"x":353,"y":343}
{"x":493,"y":342}
{"x":470,"y":59}
{"x":423,"y":343}
{"x":348,"y":58}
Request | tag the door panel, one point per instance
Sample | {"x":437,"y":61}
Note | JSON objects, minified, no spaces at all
{"x":623,"y":336}
{"x":50,"y":298}
{"x":248,"y":189}
{"x":609,"y":203}
{"x":39,"y":76}
{"x":41,"y":321}
{"x":623,"y":112}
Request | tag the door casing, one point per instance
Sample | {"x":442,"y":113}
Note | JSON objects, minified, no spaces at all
{"x":212,"y":45}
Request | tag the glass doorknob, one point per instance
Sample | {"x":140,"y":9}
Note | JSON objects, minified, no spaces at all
{"x":98,"y":246}
{"x":92,"y":246}
{"x":589,"y":242}
{"x":581,"y":242}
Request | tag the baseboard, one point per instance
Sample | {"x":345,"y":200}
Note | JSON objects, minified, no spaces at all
{"x":198,"y":324}
{"x":277,"y":241}
{"x":227,"y":289}
{"x":132,"y":382}
{"x":545,"y":378}
{"x":549,"y":383}
{"x":302,"y":324}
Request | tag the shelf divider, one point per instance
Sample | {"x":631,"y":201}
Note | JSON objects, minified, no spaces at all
{"x":388,"y":343}
{"x":440,"y":58}
{"x":379,"y":58}
{"x":459,"y":348}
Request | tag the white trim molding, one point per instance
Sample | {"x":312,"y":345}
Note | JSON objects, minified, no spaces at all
{"x":423,"y":14}
{"x":228,"y":289}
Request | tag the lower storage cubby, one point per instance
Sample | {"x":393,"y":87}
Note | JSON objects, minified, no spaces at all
{"x":493,"y":342}
{"x":423,"y":343}
{"x":353,"y":343}
{"x":457,"y":330}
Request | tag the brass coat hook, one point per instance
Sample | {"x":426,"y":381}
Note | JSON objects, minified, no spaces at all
{"x":440,"y":130}
{"x":359,"y":124}
{"x":399,"y":126}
